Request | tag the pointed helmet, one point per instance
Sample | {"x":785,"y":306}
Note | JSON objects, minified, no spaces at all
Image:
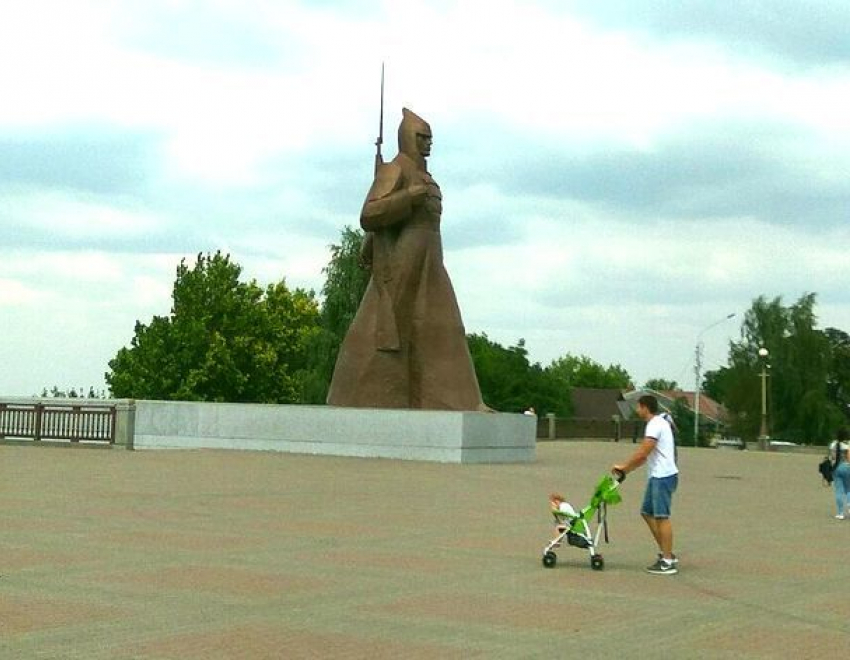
{"x":411,"y":125}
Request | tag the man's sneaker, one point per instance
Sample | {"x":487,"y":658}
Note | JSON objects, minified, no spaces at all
{"x":839,"y":517}
{"x":674,"y":561}
{"x":662,"y":567}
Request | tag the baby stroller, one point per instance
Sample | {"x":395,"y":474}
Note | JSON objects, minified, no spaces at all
{"x":575,"y":527}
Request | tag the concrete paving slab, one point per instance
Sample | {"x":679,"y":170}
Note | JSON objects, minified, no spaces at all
{"x":216,"y":554}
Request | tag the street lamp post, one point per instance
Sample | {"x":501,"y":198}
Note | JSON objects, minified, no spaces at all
{"x":698,"y":372}
{"x":764,"y":438}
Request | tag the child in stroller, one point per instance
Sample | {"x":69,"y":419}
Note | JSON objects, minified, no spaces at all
{"x":574,"y":526}
{"x":562,"y":510}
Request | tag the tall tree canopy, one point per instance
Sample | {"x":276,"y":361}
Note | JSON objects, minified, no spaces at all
{"x":838,"y":378}
{"x":345,"y":283}
{"x":582,"y":371}
{"x":225,"y":340}
{"x":800,"y":365}
{"x":510,"y":383}
{"x":661,"y":385}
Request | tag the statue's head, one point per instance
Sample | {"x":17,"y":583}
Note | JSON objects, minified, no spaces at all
{"x":414,"y":136}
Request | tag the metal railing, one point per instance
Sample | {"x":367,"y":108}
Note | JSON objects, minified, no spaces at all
{"x":70,"y":422}
{"x":566,"y":428}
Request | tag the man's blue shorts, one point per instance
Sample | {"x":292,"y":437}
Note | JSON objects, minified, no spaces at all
{"x":659,"y":496}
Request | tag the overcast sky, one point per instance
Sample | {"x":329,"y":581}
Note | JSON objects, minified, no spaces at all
{"x":617,"y":175}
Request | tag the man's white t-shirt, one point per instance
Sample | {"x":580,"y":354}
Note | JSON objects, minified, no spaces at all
{"x":661,"y":461}
{"x":836,"y":445}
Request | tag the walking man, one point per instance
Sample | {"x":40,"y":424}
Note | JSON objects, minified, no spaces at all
{"x":658,"y":450}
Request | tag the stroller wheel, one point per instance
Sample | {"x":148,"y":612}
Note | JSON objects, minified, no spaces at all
{"x":549,"y":559}
{"x":597,"y":563}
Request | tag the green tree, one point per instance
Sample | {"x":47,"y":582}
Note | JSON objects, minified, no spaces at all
{"x":581,"y":371}
{"x":510,"y":383}
{"x":661,"y":385}
{"x":345,"y":283}
{"x":683,"y":417}
{"x":838,"y":379}
{"x":72,"y":393}
{"x":225,"y":340}
{"x":799,"y":360}
{"x":714,"y":383}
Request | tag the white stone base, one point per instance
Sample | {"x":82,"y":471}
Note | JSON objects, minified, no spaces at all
{"x":423,"y":435}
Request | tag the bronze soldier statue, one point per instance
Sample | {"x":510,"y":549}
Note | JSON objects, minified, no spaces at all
{"x":406,"y":347}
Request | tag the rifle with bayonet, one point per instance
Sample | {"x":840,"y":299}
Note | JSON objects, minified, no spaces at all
{"x":380,"y":245}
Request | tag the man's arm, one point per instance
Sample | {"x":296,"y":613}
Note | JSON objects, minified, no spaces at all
{"x":638,"y":458}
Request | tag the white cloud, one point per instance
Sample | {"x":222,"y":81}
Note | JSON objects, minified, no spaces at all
{"x":17,"y":293}
{"x":243,"y":99}
{"x":637,"y":296}
{"x":74,"y":214}
{"x":149,"y":292}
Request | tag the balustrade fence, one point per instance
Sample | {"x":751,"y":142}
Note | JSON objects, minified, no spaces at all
{"x":89,"y":423}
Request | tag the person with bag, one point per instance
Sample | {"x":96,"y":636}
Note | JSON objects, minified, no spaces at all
{"x":838,"y":454}
{"x":658,"y":451}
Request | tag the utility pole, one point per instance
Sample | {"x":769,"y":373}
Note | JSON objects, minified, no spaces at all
{"x":698,"y":373}
{"x":764,"y":438}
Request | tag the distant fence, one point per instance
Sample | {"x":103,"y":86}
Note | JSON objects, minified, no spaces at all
{"x":71,"y":421}
{"x":554,"y":428}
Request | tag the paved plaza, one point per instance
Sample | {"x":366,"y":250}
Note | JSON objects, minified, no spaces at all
{"x":108,"y":554}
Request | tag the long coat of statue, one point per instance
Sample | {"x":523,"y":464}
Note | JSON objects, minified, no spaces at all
{"x":406,"y":347}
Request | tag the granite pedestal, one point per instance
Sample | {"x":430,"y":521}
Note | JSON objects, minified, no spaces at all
{"x":441,"y":436}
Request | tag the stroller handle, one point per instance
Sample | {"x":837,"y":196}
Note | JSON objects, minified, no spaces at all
{"x":619,"y":475}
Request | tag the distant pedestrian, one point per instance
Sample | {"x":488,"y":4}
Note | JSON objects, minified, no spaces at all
{"x":658,"y":450}
{"x":838,"y":454}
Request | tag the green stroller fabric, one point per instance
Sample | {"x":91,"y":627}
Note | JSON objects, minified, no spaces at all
{"x":606,"y":493}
